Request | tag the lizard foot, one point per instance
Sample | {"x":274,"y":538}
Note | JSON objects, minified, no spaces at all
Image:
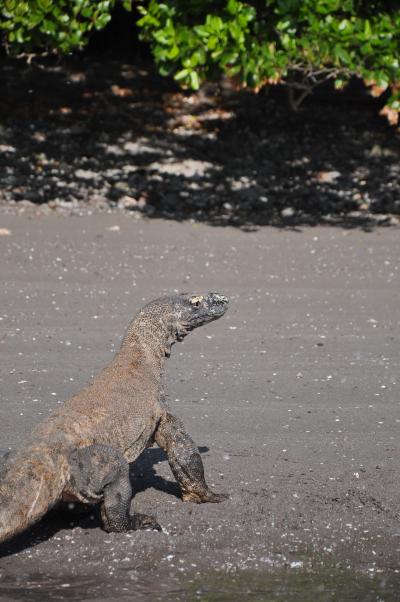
{"x":208,"y":496}
{"x":144,"y":521}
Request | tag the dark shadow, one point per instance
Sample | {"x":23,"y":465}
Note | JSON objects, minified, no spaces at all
{"x":56,"y":520}
{"x":104,"y":133}
{"x":143,"y":476}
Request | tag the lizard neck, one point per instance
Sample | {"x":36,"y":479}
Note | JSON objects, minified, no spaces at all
{"x":146,"y":343}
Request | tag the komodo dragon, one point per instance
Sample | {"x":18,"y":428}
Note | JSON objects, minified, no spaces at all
{"x":82,"y":451}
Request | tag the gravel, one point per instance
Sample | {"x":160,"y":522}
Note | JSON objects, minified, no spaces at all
{"x":84,"y":135}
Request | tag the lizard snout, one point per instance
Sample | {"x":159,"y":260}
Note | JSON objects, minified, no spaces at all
{"x":218,"y":298}
{"x":217,"y":303}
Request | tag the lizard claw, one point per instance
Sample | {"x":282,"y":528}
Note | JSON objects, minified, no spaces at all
{"x":144,"y":522}
{"x":208,"y":496}
{"x":216,"y":497}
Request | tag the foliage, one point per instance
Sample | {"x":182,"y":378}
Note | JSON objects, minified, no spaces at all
{"x":53,"y":24}
{"x":259,"y":42}
{"x":300,"y":44}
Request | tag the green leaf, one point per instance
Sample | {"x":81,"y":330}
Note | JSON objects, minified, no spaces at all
{"x":173,"y":53}
{"x":48,"y":26}
{"x":341,"y":54}
{"x":182,"y":74}
{"x":102,"y":21}
{"x":394,"y":103}
{"x":339,"y":84}
{"x":194,"y":80}
{"x":44,"y":5}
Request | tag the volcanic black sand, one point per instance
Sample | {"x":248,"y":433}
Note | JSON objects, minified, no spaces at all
{"x":292,"y":398}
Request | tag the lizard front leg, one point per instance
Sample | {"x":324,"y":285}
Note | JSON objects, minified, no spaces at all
{"x":185,"y":461}
{"x":100,"y":473}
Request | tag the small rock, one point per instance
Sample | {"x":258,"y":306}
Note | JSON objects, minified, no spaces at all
{"x":86,"y":174}
{"x":381,"y":218}
{"x":376,"y":151}
{"x":112,"y":173}
{"x":121,"y":92}
{"x":288,"y":212}
{"x":328,"y":177}
{"x":379,"y":151}
{"x":133,"y":148}
{"x":98,"y":201}
{"x":124,"y":186}
{"x":39,"y":136}
{"x":187,"y":168}
{"x":7,"y":148}
{"x":137,"y":148}
{"x":67,"y":203}
{"x":127,"y":169}
{"x":113,"y":149}
{"x":127,"y":202}
{"x":5,"y":232}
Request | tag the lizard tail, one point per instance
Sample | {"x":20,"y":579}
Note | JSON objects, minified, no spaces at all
{"x":31,"y":486}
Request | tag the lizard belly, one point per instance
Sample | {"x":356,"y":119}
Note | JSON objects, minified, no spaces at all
{"x":140,"y":433}
{"x":140,"y":442}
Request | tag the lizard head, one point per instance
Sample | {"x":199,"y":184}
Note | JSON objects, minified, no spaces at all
{"x":170,"y":319}
{"x":188,"y":312}
{"x":192,"y":311}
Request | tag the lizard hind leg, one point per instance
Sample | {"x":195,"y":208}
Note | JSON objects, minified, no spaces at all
{"x":100,"y":473}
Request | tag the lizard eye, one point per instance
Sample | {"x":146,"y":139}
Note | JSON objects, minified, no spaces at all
{"x":196,"y":301}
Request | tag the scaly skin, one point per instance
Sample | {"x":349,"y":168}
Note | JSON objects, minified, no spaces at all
{"x":82,"y":451}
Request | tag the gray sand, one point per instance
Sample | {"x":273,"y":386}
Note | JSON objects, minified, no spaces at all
{"x":292,"y":397}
